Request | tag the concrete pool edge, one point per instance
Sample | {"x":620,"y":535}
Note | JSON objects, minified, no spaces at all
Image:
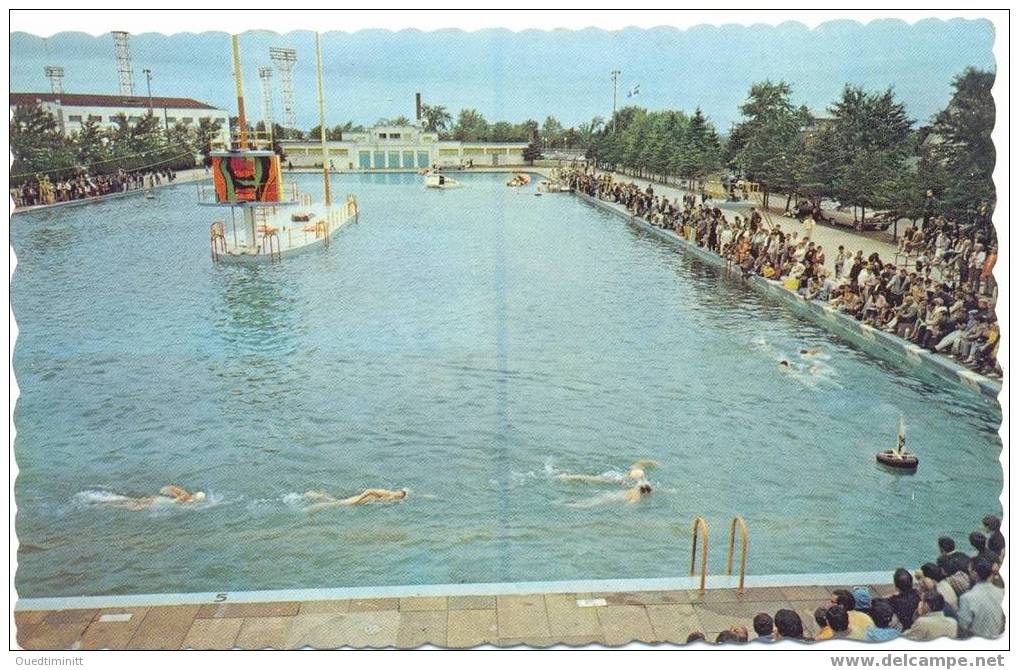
{"x":834,"y":579}
{"x":873,"y":340}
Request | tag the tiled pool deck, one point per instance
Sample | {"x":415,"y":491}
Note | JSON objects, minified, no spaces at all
{"x":453,"y":621}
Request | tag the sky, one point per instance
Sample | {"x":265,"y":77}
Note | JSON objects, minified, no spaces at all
{"x":374,"y":74}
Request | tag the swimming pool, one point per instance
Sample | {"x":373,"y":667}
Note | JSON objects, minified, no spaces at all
{"x":469,"y":345}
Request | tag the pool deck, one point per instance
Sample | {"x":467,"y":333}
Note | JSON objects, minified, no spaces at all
{"x":537,"y":619}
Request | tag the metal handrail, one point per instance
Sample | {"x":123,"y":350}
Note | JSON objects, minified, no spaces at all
{"x":217,"y":239}
{"x":702,"y":525}
{"x":744,"y":542}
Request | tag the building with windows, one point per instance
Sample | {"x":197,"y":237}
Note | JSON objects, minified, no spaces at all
{"x":74,"y":109}
{"x":401,"y":148}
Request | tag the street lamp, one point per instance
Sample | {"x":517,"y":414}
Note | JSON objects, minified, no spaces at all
{"x":148,"y":85}
{"x":615,"y":78}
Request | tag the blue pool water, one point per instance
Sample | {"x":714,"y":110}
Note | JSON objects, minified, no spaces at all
{"x":468,"y":345}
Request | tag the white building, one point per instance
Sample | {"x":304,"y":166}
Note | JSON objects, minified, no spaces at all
{"x":401,"y":148}
{"x":73,"y":109}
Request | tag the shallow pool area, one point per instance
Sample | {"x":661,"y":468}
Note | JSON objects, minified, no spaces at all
{"x":470,"y":345}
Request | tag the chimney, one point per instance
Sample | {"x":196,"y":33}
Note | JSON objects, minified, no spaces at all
{"x":417,"y":105}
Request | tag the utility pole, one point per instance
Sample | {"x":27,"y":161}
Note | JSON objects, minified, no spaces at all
{"x":615,"y":79}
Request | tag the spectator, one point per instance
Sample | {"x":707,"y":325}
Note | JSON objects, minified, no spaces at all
{"x":696,"y":636}
{"x":931,"y":622}
{"x":727,"y":637}
{"x":905,"y":599}
{"x":995,"y":540}
{"x":882,"y":613}
{"x":980,"y":610}
{"x":838,"y":621}
{"x":824,"y":631}
{"x":764,"y":627}
{"x":788,"y":625}
{"x":950,"y":560}
{"x":859,"y":620}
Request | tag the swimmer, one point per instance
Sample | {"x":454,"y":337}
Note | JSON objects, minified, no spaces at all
{"x":321,"y":500}
{"x":635,"y":473}
{"x":170,"y":493}
{"x":813,"y":351}
{"x":642,"y":489}
{"x":783,"y":365}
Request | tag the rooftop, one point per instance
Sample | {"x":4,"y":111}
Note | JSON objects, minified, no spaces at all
{"x":101,"y":100}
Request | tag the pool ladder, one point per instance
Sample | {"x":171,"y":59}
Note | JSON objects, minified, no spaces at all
{"x":217,"y":240}
{"x":700,"y":530}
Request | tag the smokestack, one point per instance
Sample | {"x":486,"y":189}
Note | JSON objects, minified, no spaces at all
{"x":417,"y":103}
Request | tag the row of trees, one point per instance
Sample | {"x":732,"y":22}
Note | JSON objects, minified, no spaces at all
{"x":865,"y":151}
{"x":40,"y":146}
{"x":650,"y":144}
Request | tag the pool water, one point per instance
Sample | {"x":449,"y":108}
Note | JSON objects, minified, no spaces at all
{"x":468,"y":345}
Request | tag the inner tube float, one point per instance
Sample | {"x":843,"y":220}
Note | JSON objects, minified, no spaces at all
{"x":893,"y":459}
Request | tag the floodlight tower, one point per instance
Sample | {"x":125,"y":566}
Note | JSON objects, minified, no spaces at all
{"x":285,"y":60}
{"x":56,"y":76}
{"x":124,"y":72}
{"x":265,"y":74}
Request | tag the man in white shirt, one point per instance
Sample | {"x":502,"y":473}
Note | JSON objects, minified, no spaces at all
{"x":980,"y":610}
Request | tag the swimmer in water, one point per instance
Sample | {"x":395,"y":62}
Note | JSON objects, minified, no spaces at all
{"x":636,"y":473}
{"x":783,"y":365}
{"x":171,"y":493}
{"x":322,"y":500}
{"x":642,"y":489}
{"x":813,"y":351}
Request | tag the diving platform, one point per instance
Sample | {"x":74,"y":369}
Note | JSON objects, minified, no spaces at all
{"x":269,"y":234}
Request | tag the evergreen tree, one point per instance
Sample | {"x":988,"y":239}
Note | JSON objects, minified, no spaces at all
{"x":964,"y":146}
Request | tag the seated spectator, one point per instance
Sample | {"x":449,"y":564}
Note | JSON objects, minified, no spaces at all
{"x":995,"y":540}
{"x":931,"y":622}
{"x":950,"y":560}
{"x":859,"y":621}
{"x":838,"y":621}
{"x":741,"y":633}
{"x":696,"y":636}
{"x":788,"y":625}
{"x":932,"y":571}
{"x":824,"y":631}
{"x":727,"y":637}
{"x":764,"y":627}
{"x":905,"y":599}
{"x":978,"y":541}
{"x":881,"y":631}
{"x":980,"y":611}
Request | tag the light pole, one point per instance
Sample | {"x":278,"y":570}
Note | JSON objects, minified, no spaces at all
{"x":148,"y":85}
{"x":615,"y":78}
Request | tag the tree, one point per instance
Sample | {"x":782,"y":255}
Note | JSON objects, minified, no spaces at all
{"x":963,"y":144}
{"x":551,"y":132}
{"x":532,"y":153}
{"x":870,"y":134}
{"x":38,"y":145}
{"x":763,"y":145}
{"x":470,"y":126}
{"x":208,"y":132}
{"x":437,"y":118}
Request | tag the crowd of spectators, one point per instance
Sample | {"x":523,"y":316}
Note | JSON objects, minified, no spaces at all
{"x":956,"y":595}
{"x":40,"y":190}
{"x":940,"y":294}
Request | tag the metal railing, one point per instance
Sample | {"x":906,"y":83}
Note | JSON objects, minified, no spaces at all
{"x":700,"y":524}
{"x":744,"y":542}
{"x":217,"y":240}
